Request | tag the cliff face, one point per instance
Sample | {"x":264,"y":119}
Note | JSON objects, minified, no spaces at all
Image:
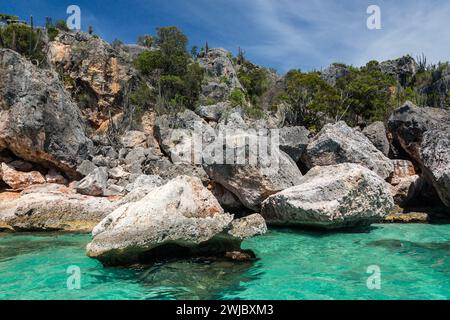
{"x":98,"y":77}
{"x":39,"y":121}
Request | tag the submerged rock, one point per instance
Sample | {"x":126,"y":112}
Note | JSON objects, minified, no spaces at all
{"x":182,"y":214}
{"x":338,"y":143}
{"x":344,"y":195}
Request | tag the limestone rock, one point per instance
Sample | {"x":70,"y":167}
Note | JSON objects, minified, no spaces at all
{"x":18,"y":180}
{"x":294,"y":141}
{"x":181,"y":213}
{"x":253,"y":183}
{"x":435,"y":157}
{"x":376,"y":133}
{"x":338,"y":196}
{"x":51,"y":208}
{"x":106,"y":75}
{"x":338,"y":143}
{"x":94,"y":184}
{"x":54,"y":176}
{"x":39,"y":122}
{"x":424,"y":134}
{"x":132,"y":139}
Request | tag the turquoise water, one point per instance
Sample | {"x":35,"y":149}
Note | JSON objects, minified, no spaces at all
{"x":414,"y":261}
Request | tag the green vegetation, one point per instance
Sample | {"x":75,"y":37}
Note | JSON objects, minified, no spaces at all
{"x":310,"y":98}
{"x":169,"y":68}
{"x":362,"y":96}
{"x":145,"y":41}
{"x":61,"y":25}
{"x":367,"y":94}
{"x":5,"y":17}
{"x":237,"y":98}
{"x":255,"y":81}
{"x":24,"y":40}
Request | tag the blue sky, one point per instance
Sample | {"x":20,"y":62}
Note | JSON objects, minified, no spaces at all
{"x":282,"y":34}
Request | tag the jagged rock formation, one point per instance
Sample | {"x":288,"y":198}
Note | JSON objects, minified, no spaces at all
{"x":221,"y":76}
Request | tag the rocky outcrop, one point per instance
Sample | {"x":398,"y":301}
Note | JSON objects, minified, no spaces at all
{"x":18,"y":180}
{"x":435,"y":157}
{"x":403,"y":69}
{"x":91,"y":63}
{"x":424,"y":134}
{"x":52,"y":207}
{"x":179,"y":215}
{"x":338,"y":143}
{"x":176,"y":135}
{"x":213,"y":112}
{"x":39,"y":122}
{"x":376,"y":133}
{"x":221,"y":75}
{"x":344,"y":195}
{"x":335,"y":72}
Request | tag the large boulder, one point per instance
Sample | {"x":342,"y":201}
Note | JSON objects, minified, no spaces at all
{"x":338,"y":143}
{"x":409,"y":123}
{"x":180,"y":134}
{"x":181,"y":215}
{"x":39,"y":122}
{"x":251,"y":181}
{"x":344,"y":195}
{"x":52,"y":208}
{"x":376,"y":133}
{"x":424,"y":134}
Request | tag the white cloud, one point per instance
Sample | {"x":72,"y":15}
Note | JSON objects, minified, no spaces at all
{"x":312,"y":34}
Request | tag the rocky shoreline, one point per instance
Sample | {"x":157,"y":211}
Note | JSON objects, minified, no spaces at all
{"x":68,"y":167}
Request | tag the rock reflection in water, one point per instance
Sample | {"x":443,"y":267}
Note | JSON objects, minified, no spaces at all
{"x":199,"y":278}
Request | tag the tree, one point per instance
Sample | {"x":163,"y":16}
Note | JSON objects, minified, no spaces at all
{"x":24,"y":40}
{"x":169,"y":69}
{"x":310,"y":97}
{"x":90,"y":30}
{"x":194,"y":52}
{"x":255,"y":80}
{"x":145,"y":41}
{"x":61,"y":25}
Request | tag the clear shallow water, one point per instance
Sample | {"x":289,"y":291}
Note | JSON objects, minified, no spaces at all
{"x":414,"y":262}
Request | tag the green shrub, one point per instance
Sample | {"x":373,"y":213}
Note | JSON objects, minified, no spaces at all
{"x":237,"y":98}
{"x":24,"y":40}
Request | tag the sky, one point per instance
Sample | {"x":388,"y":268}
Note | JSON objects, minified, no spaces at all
{"x":281,"y":34}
